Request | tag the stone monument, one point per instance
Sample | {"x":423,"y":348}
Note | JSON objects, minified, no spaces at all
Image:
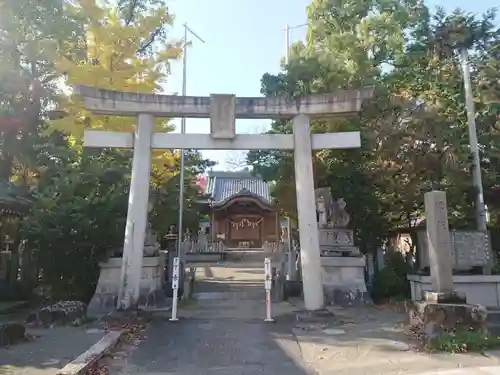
{"x":469,"y":249}
{"x":151,"y":293}
{"x":343,"y":266}
{"x":442,"y":309}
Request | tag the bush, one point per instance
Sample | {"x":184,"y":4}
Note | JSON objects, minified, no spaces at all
{"x":392,"y":281}
{"x":78,"y":216}
{"x":464,"y":342}
{"x":15,"y":291}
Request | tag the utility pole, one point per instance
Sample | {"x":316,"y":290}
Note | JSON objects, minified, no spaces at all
{"x":291,"y":253}
{"x":474,"y":148}
{"x":183,"y":131}
{"x":287,"y":30}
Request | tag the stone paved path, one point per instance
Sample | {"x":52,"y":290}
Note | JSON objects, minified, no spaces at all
{"x":222,"y":333}
{"x":51,"y":350}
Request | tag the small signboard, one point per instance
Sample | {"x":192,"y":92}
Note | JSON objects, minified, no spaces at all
{"x":267,"y":274}
{"x":175,"y":273}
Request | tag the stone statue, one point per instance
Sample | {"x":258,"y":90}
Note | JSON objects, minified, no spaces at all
{"x":340,"y":218}
{"x":332,"y":213}
{"x":323,"y":205}
{"x":202,"y":237}
{"x":187,"y":235}
{"x":151,"y":245}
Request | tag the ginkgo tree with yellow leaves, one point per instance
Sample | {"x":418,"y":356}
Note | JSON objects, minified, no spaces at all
{"x":121,"y":54}
{"x":80,"y":198}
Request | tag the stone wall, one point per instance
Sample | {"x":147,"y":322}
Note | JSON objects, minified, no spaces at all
{"x":468,"y":249}
{"x":479,"y":289}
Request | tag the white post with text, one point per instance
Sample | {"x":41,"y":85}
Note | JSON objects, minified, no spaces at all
{"x":175,"y":288}
{"x":268,"y":278}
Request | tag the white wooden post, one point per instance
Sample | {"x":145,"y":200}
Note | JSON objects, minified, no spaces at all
{"x":135,"y":229}
{"x":306,"y":209}
{"x":268,"y":278}
{"x":175,"y":288}
{"x":290,"y":264}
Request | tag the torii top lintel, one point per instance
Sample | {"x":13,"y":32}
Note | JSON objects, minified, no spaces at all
{"x":131,"y":104}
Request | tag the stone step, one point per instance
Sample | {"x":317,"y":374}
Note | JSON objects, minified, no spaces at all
{"x":493,"y":321}
{"x":494,"y":329}
{"x":493,"y":316}
{"x":244,"y":255}
{"x":250,"y":256}
{"x":247,"y":250}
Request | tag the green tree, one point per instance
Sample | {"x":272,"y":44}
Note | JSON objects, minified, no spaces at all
{"x":166,"y":211}
{"x":348,"y":45}
{"x":31,"y":33}
{"x":414,"y":131}
{"x":78,"y":218}
{"x":81,"y":196}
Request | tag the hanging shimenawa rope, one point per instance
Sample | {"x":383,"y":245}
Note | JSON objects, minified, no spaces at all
{"x":245,"y":222}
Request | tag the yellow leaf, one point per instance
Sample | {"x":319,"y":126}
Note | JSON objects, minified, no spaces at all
{"x":112,"y":62}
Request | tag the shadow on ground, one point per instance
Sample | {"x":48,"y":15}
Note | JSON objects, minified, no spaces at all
{"x":50,"y":350}
{"x":222,"y":347}
{"x":224,"y":333}
{"x":366,"y":340}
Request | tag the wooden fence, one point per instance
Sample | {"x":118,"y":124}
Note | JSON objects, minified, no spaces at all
{"x":201,"y":247}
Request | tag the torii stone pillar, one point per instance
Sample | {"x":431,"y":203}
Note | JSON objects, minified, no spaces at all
{"x":222,"y":110}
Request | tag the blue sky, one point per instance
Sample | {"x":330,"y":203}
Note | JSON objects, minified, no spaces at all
{"x":244,"y":40}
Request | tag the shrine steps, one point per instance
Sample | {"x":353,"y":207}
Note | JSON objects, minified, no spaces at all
{"x":245,"y":249}
{"x":247,"y":255}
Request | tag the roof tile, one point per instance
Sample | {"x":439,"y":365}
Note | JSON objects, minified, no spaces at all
{"x":224,"y":185}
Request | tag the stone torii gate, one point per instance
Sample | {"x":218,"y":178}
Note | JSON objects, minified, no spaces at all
{"x":222,"y":109}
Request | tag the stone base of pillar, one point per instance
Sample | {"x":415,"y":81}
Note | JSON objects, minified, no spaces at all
{"x":430,"y":319}
{"x":452,"y":297}
{"x":151,"y":294}
{"x":344,"y":280}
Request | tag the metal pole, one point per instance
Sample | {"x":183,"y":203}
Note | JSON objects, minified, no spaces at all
{"x":289,"y":234}
{"x":474,"y":148}
{"x":183,"y":131}
{"x":213,"y":226}
{"x":291,"y":254}
{"x":287,"y":43}
{"x":287,"y":39}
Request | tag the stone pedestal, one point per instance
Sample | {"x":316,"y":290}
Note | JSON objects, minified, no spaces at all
{"x":337,"y":242}
{"x":435,"y":319}
{"x":151,"y":294}
{"x":344,"y":280}
{"x":343,"y":268}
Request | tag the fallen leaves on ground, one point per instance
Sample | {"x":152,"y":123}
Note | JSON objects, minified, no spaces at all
{"x":133,"y":326}
{"x":392,"y":305}
{"x":416,"y":336}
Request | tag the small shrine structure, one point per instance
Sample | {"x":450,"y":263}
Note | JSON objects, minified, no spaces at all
{"x":241,"y":211}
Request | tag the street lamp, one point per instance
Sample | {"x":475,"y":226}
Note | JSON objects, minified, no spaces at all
{"x":183,"y":131}
{"x":287,"y":30}
{"x":474,"y":148}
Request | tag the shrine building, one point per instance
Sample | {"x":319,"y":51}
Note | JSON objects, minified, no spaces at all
{"x":241,"y":211}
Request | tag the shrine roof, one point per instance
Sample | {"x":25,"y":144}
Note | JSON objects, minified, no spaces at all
{"x":222,"y":186}
{"x":12,"y":199}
